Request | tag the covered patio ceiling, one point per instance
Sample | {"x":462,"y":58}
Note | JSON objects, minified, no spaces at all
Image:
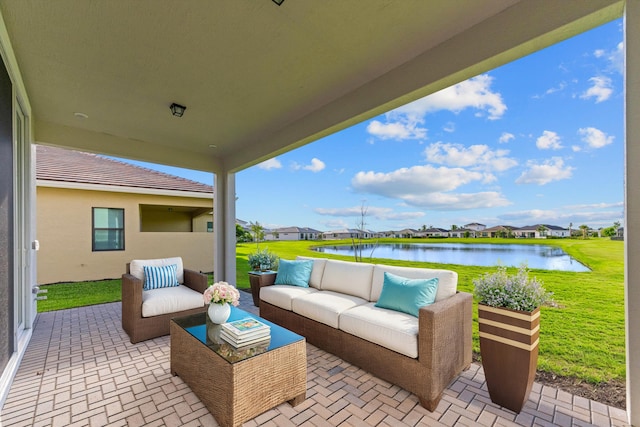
{"x":257,"y":79}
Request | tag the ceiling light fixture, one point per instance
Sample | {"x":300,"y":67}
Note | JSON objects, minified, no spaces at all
{"x":177,"y":109}
{"x":81,"y":115}
{"x":278,"y":2}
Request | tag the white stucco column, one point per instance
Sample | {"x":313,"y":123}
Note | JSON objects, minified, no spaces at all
{"x":224,"y":227}
{"x":632,"y":206}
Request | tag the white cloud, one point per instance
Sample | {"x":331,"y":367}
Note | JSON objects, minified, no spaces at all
{"x":565,"y":215}
{"x":614,"y":57}
{"x":371,"y":211}
{"x":426,"y":186}
{"x":411,"y":181}
{"x":316,"y":165}
{"x":405,"y":122}
{"x":270,"y":164}
{"x":597,"y":206}
{"x":335,"y":224}
{"x":548,"y":141}
{"x":473,"y":93}
{"x":600,"y":90}
{"x":594,"y":138}
{"x":550,"y":170}
{"x":460,"y":201}
{"x":476,"y":156}
{"x":506,"y":137}
{"x":576,"y":148}
{"x":400,"y":130}
{"x":449,"y":127}
{"x":561,"y":86}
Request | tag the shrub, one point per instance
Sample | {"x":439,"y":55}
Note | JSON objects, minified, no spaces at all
{"x":263,"y":260}
{"x":514,"y":291}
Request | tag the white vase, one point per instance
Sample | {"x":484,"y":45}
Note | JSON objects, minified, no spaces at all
{"x":219,"y":313}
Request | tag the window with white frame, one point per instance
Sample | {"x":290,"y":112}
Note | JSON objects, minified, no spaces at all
{"x":108,"y":229}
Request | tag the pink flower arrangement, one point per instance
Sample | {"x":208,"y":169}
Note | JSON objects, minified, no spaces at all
{"x":220,"y":293}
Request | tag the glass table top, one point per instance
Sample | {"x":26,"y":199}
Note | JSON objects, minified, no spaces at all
{"x":208,"y":334}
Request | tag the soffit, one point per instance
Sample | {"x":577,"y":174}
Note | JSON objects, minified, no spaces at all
{"x":257,"y":79}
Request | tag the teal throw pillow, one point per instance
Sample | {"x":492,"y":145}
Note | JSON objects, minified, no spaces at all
{"x":407,"y":295}
{"x":160,"y":276}
{"x":295,"y":273}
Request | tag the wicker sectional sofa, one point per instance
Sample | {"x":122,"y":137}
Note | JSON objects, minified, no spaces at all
{"x":337,"y":313}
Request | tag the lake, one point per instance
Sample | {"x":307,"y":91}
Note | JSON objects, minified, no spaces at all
{"x":483,"y":254}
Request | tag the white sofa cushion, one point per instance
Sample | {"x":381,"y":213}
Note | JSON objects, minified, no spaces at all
{"x":170,"y":300}
{"x":325,"y":306}
{"x":447,"y":279}
{"x":136,"y":267}
{"x":282,"y":295}
{"x":391,"y":329}
{"x":318,"y":270}
{"x":351,"y":278}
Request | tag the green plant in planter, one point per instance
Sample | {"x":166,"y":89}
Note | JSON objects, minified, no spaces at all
{"x":263,"y":260}
{"x":509,"y":330}
{"x":515,"y":291}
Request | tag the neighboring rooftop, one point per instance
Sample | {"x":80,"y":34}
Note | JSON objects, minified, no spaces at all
{"x":57,"y":164}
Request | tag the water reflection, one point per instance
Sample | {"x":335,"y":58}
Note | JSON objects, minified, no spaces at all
{"x":484,"y":254}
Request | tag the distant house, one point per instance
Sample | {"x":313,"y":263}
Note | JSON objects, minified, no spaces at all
{"x":244,"y":224}
{"x":293,"y":233}
{"x":105,"y":212}
{"x":462,"y":232}
{"x":475,"y":226}
{"x":433,"y":232}
{"x":407,"y":233}
{"x":541,"y":231}
{"x":348,"y":233}
{"x":498,"y":231}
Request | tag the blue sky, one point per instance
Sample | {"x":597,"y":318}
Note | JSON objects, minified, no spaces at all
{"x":539,"y":140}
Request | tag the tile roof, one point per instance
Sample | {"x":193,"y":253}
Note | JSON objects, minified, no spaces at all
{"x":57,"y":164}
{"x":296,"y":230}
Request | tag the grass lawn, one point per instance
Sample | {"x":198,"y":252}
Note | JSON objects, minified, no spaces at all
{"x":583,"y":338}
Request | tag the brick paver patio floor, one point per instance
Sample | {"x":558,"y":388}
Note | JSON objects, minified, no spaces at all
{"x":81,"y":370}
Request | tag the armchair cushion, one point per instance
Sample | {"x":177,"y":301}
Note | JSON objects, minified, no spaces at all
{"x":160,"y":277}
{"x":170,"y":300}
{"x":136,"y":267}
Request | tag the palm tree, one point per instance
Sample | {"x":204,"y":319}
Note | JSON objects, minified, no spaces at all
{"x":258,"y":232}
{"x":584,"y":229}
{"x":542,"y":230}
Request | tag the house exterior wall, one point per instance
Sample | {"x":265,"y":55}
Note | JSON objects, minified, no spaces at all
{"x":159,"y":221}
{"x":287,"y":236}
{"x":64,"y":219}
{"x":203,"y":224}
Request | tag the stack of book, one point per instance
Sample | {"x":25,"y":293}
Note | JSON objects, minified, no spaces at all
{"x":245,"y":332}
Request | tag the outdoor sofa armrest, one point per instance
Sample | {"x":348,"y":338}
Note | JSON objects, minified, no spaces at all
{"x":195,"y":280}
{"x":268,"y":280}
{"x":444,"y":336}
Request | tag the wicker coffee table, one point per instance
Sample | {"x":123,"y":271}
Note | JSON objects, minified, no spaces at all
{"x":238,"y":386}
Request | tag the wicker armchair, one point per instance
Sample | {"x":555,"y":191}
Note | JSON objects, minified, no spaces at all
{"x":141,"y":328}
